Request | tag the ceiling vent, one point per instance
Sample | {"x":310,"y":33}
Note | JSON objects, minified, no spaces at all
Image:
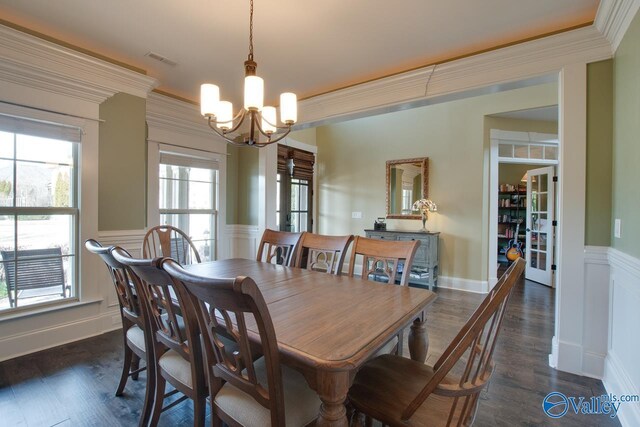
{"x":161,"y":58}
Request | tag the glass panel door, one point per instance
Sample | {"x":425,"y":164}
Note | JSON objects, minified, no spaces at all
{"x":540,"y":214}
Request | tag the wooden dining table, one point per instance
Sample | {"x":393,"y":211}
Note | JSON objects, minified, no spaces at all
{"x":328,"y":326}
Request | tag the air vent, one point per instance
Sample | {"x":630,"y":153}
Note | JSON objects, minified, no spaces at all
{"x":161,"y":58}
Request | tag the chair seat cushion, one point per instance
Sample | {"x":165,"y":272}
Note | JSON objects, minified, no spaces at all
{"x":135,"y":336}
{"x":301,"y":403}
{"x":385,"y":386}
{"x":176,"y":366}
{"x":180,"y":368}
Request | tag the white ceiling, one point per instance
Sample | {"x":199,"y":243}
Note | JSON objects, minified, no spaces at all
{"x":300,"y":46}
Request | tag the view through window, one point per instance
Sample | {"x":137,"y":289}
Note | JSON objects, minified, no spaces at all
{"x":38,"y":213}
{"x":188,"y":200}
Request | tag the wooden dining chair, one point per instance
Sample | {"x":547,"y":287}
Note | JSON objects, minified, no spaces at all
{"x":381,"y":259}
{"x":176,"y":345}
{"x":278,"y":247}
{"x":169,"y":241}
{"x":403,"y":392}
{"x":135,"y":329}
{"x":244,"y":392}
{"x":317,"y":252}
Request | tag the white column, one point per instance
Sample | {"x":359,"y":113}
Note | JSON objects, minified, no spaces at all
{"x":567,"y":343}
{"x":268,"y":171}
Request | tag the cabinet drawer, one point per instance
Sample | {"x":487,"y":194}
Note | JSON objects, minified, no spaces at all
{"x":381,"y":236}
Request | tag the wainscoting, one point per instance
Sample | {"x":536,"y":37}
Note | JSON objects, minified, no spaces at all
{"x":621,"y":367}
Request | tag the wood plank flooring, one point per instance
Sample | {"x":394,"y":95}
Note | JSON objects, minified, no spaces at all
{"x":74,"y":385}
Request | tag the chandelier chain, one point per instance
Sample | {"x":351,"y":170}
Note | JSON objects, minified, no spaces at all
{"x":251,"y":30}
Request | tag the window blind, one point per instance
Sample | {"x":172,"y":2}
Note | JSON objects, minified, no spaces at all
{"x":175,"y":159}
{"x":303,"y":161}
{"x":38,"y":128}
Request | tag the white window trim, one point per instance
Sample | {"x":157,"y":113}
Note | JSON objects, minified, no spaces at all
{"x":87,"y":164}
{"x":153,"y":178}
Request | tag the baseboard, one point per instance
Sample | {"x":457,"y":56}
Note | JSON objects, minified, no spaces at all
{"x":21,"y":344}
{"x":553,"y":357}
{"x":460,"y":284}
{"x":593,"y":364}
{"x":617,"y":381}
{"x":569,"y":357}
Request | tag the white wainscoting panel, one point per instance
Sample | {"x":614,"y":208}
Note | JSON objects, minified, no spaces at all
{"x":131,"y":241}
{"x":596,"y":312}
{"x":622,"y":367}
{"x":240,"y":241}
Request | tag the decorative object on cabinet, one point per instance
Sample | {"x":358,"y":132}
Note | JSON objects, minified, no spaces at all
{"x":424,"y":270}
{"x":424,"y":206}
{"x":407,"y":180}
{"x":379,"y":224}
{"x":512,"y":209}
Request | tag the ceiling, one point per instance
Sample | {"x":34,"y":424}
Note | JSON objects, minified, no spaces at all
{"x":300,"y":46}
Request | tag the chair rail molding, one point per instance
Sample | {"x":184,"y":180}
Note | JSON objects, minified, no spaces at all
{"x":621,"y":370}
{"x":614,"y":17}
{"x":37,"y":63}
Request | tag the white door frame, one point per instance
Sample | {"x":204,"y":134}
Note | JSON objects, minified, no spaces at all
{"x":497,"y":135}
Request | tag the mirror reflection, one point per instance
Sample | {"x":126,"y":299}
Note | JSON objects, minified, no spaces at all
{"x":407,"y":181}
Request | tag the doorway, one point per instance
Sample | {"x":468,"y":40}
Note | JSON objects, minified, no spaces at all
{"x":522,"y":202}
{"x":294,"y":191}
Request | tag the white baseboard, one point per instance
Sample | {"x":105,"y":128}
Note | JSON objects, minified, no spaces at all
{"x":21,"y":344}
{"x":460,"y":284}
{"x":617,"y":381}
{"x":593,"y":364}
{"x":569,"y":357}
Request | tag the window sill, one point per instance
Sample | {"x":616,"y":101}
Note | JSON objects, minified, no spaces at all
{"x":36,"y":311}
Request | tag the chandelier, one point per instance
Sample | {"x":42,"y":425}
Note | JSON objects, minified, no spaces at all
{"x":262,"y":126}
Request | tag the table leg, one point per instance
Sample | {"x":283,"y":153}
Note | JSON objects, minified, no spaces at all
{"x":332,"y":388}
{"x":418,"y":339}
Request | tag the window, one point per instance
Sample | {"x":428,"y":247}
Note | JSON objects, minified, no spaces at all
{"x":407,"y":200}
{"x":39,"y":216}
{"x":294,"y":189}
{"x":188,"y":199}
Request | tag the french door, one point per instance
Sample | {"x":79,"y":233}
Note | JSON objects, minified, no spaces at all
{"x":295,"y":190}
{"x":540,"y":232}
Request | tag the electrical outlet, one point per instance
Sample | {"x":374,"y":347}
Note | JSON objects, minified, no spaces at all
{"x":356,"y":215}
{"x":617,"y":228}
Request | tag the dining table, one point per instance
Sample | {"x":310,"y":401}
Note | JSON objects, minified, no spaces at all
{"x":328,"y":326}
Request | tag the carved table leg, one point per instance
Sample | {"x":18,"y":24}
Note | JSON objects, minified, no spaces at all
{"x":332,"y":389}
{"x":418,"y":339}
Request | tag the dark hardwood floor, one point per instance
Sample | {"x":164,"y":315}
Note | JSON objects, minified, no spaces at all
{"x":74,"y":385}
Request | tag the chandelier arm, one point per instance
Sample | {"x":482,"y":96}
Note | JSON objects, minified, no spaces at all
{"x":271,"y":141}
{"x":274,"y":125}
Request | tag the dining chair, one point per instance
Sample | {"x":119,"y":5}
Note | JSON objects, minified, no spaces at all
{"x":244,"y":392}
{"x":169,"y":241}
{"x":317,"y":252}
{"x":136,"y":332}
{"x":278,"y":247}
{"x":176,"y":345}
{"x":381,"y":259}
{"x":402,"y":392}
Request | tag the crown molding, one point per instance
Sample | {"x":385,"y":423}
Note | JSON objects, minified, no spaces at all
{"x":31,"y":61}
{"x":614,"y":17}
{"x":437,"y":83}
{"x":168,"y":113}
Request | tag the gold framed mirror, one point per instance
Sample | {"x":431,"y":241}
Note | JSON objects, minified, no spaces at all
{"x":407,"y":181}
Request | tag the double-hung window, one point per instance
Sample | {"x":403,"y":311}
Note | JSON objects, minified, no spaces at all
{"x":188,"y":199}
{"x":39,"y":216}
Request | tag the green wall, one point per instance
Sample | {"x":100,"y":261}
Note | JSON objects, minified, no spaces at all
{"x":626,"y":135}
{"x":599,"y":153}
{"x":351,"y":172}
{"x":242,"y":185}
{"x":122,"y":163}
